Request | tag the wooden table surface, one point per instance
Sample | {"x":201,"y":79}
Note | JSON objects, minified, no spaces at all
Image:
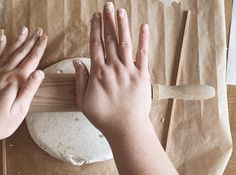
{"x":231,"y":168}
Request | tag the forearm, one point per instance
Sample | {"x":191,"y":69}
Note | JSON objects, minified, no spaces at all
{"x":117,"y":85}
{"x":137,"y":151}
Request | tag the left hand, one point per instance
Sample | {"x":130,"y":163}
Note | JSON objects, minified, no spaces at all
{"x":116,"y":96}
{"x":18,"y":79}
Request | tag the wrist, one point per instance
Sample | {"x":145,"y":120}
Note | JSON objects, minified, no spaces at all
{"x":126,"y":129}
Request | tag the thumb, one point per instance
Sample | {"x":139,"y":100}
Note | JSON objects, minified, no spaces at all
{"x":27,"y":92}
{"x":82,"y":76}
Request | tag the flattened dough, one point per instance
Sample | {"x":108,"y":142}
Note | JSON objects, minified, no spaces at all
{"x":68,"y":136}
{"x":168,"y":2}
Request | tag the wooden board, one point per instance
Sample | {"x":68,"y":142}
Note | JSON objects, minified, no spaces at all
{"x":231,"y":168}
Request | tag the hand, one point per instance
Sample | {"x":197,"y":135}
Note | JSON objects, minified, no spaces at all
{"x":18,"y":79}
{"x":117,"y":93}
{"x":116,"y":96}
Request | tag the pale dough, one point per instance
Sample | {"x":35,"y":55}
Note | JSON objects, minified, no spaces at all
{"x":68,"y":136}
{"x":168,"y":2}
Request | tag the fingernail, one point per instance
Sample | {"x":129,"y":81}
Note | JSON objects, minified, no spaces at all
{"x":39,"y":74}
{"x":77,"y":63}
{"x":108,"y":7}
{"x":121,"y":12}
{"x":96,"y":17}
{"x":2,"y":35}
{"x":43,"y":37}
{"x":145,"y":27}
{"x":38,"y":32}
{"x":23,"y":30}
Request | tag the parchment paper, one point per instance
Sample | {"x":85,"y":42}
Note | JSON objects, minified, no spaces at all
{"x":231,"y":66}
{"x":196,"y":134}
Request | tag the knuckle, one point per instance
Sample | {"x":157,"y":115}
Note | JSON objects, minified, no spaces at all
{"x":98,"y":72}
{"x":121,"y":73}
{"x":36,"y":53}
{"x":124,"y":44}
{"x":122,"y":78}
{"x":142,"y":37}
{"x":31,"y":85}
{"x":32,"y":56}
{"x":21,"y":75}
{"x":104,"y":71}
{"x":29,"y":88}
{"x":20,"y":39}
{"x":10,"y":79}
{"x":143,"y":51}
{"x":134,"y":78}
{"x":34,"y":80}
{"x":95,"y":43}
{"x":20,"y":51}
{"x":110,"y":38}
{"x":119,"y":69}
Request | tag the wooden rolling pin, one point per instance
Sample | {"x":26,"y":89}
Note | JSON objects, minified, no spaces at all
{"x":57,"y":93}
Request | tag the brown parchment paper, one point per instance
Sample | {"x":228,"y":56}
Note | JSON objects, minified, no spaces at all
{"x":195,"y":134}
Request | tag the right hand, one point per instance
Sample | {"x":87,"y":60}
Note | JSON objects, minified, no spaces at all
{"x":117,"y":93}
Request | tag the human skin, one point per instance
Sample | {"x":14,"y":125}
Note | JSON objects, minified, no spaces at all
{"x":116,"y":96}
{"x":19,"y":79}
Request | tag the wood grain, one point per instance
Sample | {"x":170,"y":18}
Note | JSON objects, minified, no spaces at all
{"x":231,"y":168}
{"x":57,"y":93}
{"x":4,"y":157}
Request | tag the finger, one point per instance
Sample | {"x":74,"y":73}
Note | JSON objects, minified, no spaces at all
{"x":8,"y":96}
{"x":31,"y":62}
{"x":3,"y":41}
{"x":27,"y":92}
{"x":111,"y":43}
{"x":82,"y":76}
{"x":125,"y":44}
{"x":18,"y":43}
{"x":96,"y":43}
{"x":24,"y":50}
{"x":143,"y":48}
{"x":19,"y":40}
